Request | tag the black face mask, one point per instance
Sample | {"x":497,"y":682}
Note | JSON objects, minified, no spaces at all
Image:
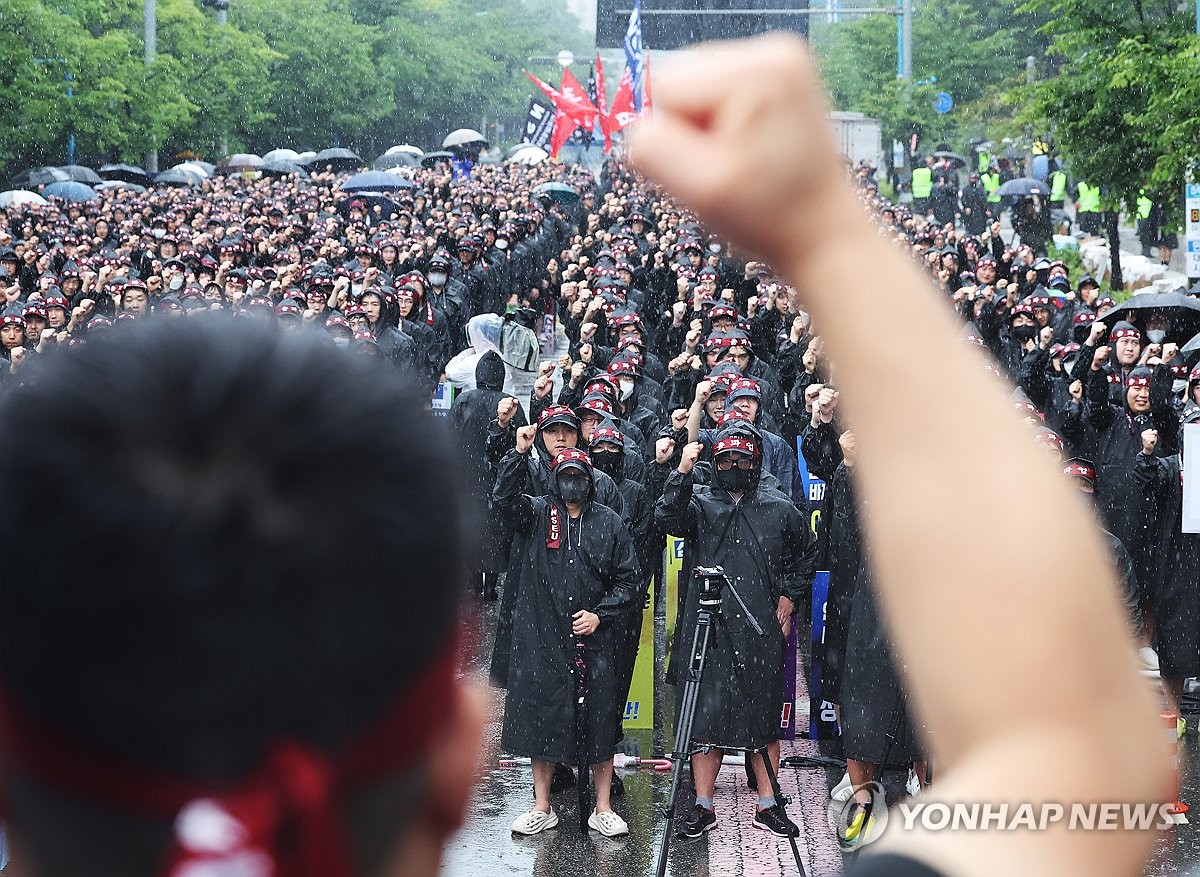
{"x":1024,"y":333}
{"x":573,"y":487}
{"x":735,"y":480}
{"x":611,"y":463}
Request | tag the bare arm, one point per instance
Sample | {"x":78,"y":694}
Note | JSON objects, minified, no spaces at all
{"x":1002,"y":727}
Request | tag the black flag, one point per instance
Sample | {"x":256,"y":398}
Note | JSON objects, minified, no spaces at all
{"x":539,"y":123}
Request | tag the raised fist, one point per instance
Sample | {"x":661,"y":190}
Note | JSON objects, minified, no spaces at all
{"x":691,"y":453}
{"x":505,"y":409}
{"x":663,"y":449}
{"x":525,"y":437}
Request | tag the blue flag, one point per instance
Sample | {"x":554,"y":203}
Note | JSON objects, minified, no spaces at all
{"x":634,"y":59}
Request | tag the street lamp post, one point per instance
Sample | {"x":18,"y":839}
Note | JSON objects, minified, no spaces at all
{"x":150,"y":30}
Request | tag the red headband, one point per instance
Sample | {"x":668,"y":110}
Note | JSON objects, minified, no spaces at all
{"x":736,"y":443}
{"x":296,"y":787}
{"x":1079,"y":470}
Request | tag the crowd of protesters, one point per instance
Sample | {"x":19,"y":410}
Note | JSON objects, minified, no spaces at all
{"x":692,"y":380}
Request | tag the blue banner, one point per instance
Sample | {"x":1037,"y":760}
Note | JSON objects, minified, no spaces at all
{"x":822,"y":720}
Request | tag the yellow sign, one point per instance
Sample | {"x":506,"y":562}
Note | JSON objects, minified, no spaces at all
{"x":639,"y":706}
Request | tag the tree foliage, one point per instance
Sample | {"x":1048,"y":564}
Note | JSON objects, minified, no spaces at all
{"x":1122,"y":107}
{"x":975,"y":49}
{"x":299,"y":73}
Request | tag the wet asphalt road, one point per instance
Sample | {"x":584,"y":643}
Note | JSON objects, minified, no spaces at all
{"x":486,"y":847}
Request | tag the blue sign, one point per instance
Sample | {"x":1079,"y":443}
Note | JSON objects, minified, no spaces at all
{"x":942,"y":103}
{"x":1193,"y":190}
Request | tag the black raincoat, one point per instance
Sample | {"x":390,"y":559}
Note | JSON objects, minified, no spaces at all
{"x":1174,"y":571}
{"x":471,"y":418}
{"x":767,"y":549}
{"x":589,"y":563}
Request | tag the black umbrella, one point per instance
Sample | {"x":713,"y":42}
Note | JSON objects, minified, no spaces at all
{"x":582,"y":734}
{"x":126,"y":172}
{"x":560,"y":192}
{"x":1023,"y":186}
{"x":338,"y":158}
{"x":177,"y":176}
{"x":80,"y":174}
{"x":120,"y":184}
{"x":952,"y":157}
{"x":429,"y":159}
{"x":279,"y":167}
{"x":396,"y":159}
{"x":1192,"y":346}
{"x":39,"y":176}
{"x":1182,"y":310}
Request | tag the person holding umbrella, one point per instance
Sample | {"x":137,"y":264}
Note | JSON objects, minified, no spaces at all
{"x":580,"y":576}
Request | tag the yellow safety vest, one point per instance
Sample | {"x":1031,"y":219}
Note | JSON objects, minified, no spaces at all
{"x":922,"y":182}
{"x":991,"y":182}
{"x":1058,"y":186}
{"x":1089,"y":198}
{"x":985,"y":161}
{"x":1144,"y":205}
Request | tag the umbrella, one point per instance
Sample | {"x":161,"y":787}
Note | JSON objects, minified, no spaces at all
{"x":1023,"y":186}
{"x":278,"y":167}
{"x":429,"y":159}
{"x":952,"y":157}
{"x":80,"y":174}
{"x":119,"y":184}
{"x":241,"y":161}
{"x":371,"y":199}
{"x":405,"y":147}
{"x":337,"y":158}
{"x":463,"y":137}
{"x":375,"y":181}
{"x":70,"y":190}
{"x":127,"y":172}
{"x":529,"y":154}
{"x":560,"y":192}
{"x":1184,"y":311}
{"x":21,"y":196}
{"x":284,"y":154}
{"x":582,"y":734}
{"x":195,"y":168}
{"x":395,"y":159}
{"x":40,"y":176}
{"x":178,"y":176}
{"x":1189,"y":348}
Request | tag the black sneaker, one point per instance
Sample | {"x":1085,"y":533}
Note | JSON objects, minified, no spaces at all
{"x":700,"y":820}
{"x":774,"y":820}
{"x":563,"y":779}
{"x":617,"y":787}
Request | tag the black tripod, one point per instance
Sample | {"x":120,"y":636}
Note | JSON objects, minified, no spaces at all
{"x":710,"y":581}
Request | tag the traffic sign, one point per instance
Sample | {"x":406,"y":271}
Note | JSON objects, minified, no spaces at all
{"x":1191,"y":193}
{"x":942,"y":103}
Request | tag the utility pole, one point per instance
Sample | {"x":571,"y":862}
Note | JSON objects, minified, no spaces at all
{"x":150,"y":24}
{"x":1030,"y":78}
{"x":906,"y":14}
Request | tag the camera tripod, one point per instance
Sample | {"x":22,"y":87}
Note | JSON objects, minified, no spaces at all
{"x":710,"y":580}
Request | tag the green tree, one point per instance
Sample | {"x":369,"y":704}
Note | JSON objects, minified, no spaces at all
{"x":1121,"y":99}
{"x":228,"y":75}
{"x":327,"y":85}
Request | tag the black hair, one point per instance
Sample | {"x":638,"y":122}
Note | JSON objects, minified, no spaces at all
{"x":204,"y":567}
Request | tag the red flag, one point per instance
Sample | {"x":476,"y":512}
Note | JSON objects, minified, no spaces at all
{"x":576,"y":102}
{"x":623,"y":115}
{"x":564,"y":127}
{"x":572,"y":100}
{"x":647,"y":99}
{"x":602,"y":105}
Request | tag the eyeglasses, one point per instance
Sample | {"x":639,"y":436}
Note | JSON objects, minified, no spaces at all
{"x":727,"y":462}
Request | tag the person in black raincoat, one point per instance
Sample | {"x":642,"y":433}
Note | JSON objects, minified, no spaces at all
{"x":1173,"y":589}
{"x":768,"y":552}
{"x":1111,"y":436}
{"x":472,"y":415}
{"x":580,"y":575}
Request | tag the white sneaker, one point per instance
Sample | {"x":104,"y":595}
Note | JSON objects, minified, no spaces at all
{"x":843,"y":790}
{"x":913,"y":785}
{"x":608,"y":823}
{"x":1149,"y":659}
{"x":534,"y":821}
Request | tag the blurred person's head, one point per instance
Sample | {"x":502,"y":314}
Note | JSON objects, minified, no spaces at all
{"x":214,"y":677}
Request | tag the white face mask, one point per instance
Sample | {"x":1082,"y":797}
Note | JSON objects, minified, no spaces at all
{"x":176,"y":282}
{"x":437,"y":278}
{"x":1157,"y":336}
{"x":341,"y":342}
{"x":356,"y":289}
{"x":626,"y":389}
{"x":501,"y":244}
